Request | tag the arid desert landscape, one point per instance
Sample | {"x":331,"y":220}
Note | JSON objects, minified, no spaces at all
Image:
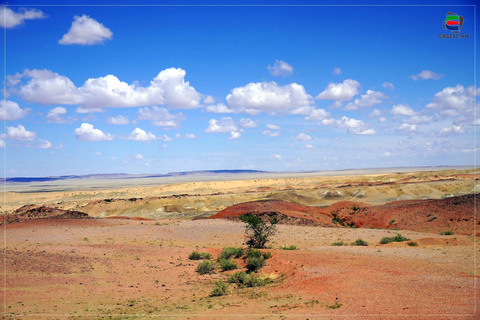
{"x":124,"y":253}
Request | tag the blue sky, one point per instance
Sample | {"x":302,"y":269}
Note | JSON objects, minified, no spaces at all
{"x":156,"y":89}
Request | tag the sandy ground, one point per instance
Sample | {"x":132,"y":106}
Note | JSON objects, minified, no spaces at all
{"x":123,"y":268}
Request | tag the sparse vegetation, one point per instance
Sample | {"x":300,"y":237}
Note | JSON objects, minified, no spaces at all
{"x":244,"y":279}
{"x":359,"y":242}
{"x":432,"y":217}
{"x":230,"y":252}
{"x":412,"y":243}
{"x":221,"y":289}
{"x":446,"y":233}
{"x":355,"y":208}
{"x":397,"y":238}
{"x":253,"y":253}
{"x":195,"y":255}
{"x":292,"y":247}
{"x":227,"y":264}
{"x":254,"y":264}
{"x":338,"y":243}
{"x":336,"y":305}
{"x":205,"y":267}
{"x":258,"y":231}
{"x":336,"y":218}
{"x":266,"y":255}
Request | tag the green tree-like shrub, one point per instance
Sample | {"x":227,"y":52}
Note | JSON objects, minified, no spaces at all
{"x":258,"y":231}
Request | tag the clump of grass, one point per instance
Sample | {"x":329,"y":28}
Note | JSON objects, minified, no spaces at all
{"x":292,"y":247}
{"x":397,"y":238}
{"x":359,"y":242}
{"x":412,"y":243}
{"x":205,"y":267}
{"x":244,"y":279}
{"x":221,"y":289}
{"x":231,"y":252}
{"x":266,"y":255}
{"x":336,"y":305}
{"x":254,"y":264}
{"x":227,"y":264}
{"x":338,"y":243}
{"x":195,"y":255}
{"x":446,"y":233}
{"x":356,"y":208}
{"x":253,"y":253}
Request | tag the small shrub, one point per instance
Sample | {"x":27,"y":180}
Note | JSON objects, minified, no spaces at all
{"x":257,"y":231}
{"x":412,"y":243}
{"x":386,"y":240}
{"x":397,"y":238}
{"x":338,"y":243}
{"x":253,"y":253}
{"x":205,"y":267}
{"x":267,"y":255}
{"x":195,"y":255}
{"x":359,"y":242}
{"x":244,"y":279}
{"x":446,"y":233}
{"x":336,"y":305}
{"x":254,"y":264}
{"x":221,"y":289}
{"x":292,"y":247}
{"x":336,"y":218}
{"x":356,"y":208}
{"x":231,"y":252}
{"x":227,"y":264}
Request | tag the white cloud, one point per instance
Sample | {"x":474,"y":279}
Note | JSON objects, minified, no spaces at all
{"x":382,"y":119}
{"x":269,"y":97}
{"x":247,"y":123}
{"x":139,"y":157}
{"x":88,"y":133}
{"x":407,"y":128}
{"x":88,"y":110}
{"x":273,"y":127}
{"x":402,"y":110}
{"x":219,"y":108}
{"x":160,"y":117}
{"x":427,"y":74}
{"x":454,"y":100}
{"x":370,"y":98}
{"x":190,"y":136}
{"x":45,"y":144}
{"x":419,"y":119}
{"x":271,"y":133}
{"x":317,"y":114}
{"x":166,"y":138}
{"x":208,"y":100}
{"x":234,"y":135}
{"x":277,"y":156}
{"x":340,"y":91}
{"x":452,"y":130}
{"x":86,"y":31}
{"x":10,"y":110}
{"x":55,"y":115}
{"x":19,"y":133}
{"x":353,"y":126}
{"x":168,"y":88}
{"x":11,"y":19}
{"x":2,"y":143}
{"x":119,"y":120}
{"x":308,"y":146}
{"x":303,"y":137}
{"x":224,"y":125}
{"x":336,"y":71}
{"x":281,"y":68}
{"x":140,"y":135}
{"x":388,"y":85}
{"x":375,"y":113}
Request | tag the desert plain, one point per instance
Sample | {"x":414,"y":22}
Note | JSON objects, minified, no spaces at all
{"x":118,"y":247}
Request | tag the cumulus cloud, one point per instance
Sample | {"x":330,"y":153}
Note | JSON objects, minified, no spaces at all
{"x":388,"y":85}
{"x":141,"y":135}
{"x":56,"y":115}
{"x":269,"y":97}
{"x":353,"y":126}
{"x":225,"y":124}
{"x":190,"y":136}
{"x":2,"y":143}
{"x":10,"y":110}
{"x":45,"y":144}
{"x":375,"y":113}
{"x":427,"y":74}
{"x":234,"y":135}
{"x":277,"y":156}
{"x":19,"y":133}
{"x":382,"y":119}
{"x":402,"y":110}
{"x":219,"y":108}
{"x":208,"y":100}
{"x":86,"y":31}
{"x":119,"y":120}
{"x":370,"y":98}
{"x":271,"y":133}
{"x":303,"y":137}
{"x":406,"y":128}
{"x":11,"y":19}
{"x":336,"y":71}
{"x":273,"y":127}
{"x":454,"y":100}
{"x":340,"y":91}
{"x":317,"y":114}
{"x":166,"y":138}
{"x":139,"y":157}
{"x":417,"y":119}
{"x":308,"y":146}
{"x":88,"y":133}
{"x":168,"y":88}
{"x":452,"y":130}
{"x":160,"y":117}
{"x":247,"y":123}
{"x":281,"y":68}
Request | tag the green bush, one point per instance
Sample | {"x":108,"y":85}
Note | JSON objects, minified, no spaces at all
{"x":446,"y":233}
{"x":205,"y":267}
{"x":397,"y":238}
{"x":338,"y":243}
{"x":289,"y":248}
{"x":227,"y":264}
{"x":221,"y":289}
{"x":254,"y":264}
{"x":267,"y":255}
{"x":412,"y":243}
{"x":359,"y":242}
{"x":253,"y":253}
{"x":195,"y":255}
{"x":244,"y":279}
{"x":258,"y":231}
{"x":231,"y":252}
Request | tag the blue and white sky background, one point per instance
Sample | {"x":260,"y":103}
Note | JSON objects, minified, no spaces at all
{"x":156,"y":89}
